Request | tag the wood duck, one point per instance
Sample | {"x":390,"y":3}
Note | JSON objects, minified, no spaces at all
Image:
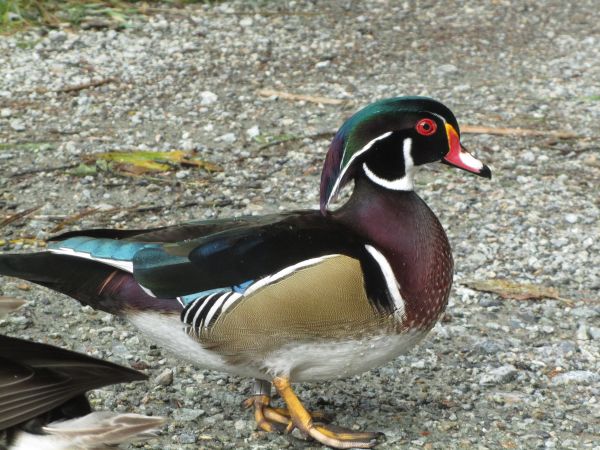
{"x":43,"y":403}
{"x":295,"y":297}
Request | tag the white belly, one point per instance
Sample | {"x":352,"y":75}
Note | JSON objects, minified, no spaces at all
{"x":301,"y":362}
{"x":329,"y":360}
{"x":169,"y":333}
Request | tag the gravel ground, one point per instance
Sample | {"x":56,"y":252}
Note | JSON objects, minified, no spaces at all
{"x":496,"y":373}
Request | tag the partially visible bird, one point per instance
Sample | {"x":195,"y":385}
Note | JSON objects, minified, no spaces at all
{"x":42,"y":398}
{"x":297,"y":296}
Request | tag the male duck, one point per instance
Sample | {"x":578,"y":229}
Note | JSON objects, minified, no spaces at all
{"x":43,"y":403}
{"x":292,"y":297}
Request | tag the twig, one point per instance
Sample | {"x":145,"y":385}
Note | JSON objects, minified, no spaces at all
{"x":160,"y":207}
{"x":132,"y":209}
{"x":19,"y":215}
{"x":476,"y":129}
{"x":63,"y":132}
{"x":511,"y":290}
{"x":182,"y":12}
{"x":71,"y":219}
{"x":147,"y":10}
{"x":80,"y":87}
{"x":42,"y":169}
{"x":300,"y":97}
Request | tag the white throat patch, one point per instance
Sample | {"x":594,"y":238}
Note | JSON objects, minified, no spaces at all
{"x":404,"y":183}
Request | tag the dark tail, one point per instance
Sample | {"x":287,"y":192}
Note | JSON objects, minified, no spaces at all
{"x":90,"y":282}
{"x":75,"y":277}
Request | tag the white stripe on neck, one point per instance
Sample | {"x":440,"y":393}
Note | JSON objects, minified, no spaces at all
{"x":366,"y":147}
{"x":399,"y":184}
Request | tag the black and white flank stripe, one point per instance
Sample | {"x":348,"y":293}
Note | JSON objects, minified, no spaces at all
{"x":204,"y":311}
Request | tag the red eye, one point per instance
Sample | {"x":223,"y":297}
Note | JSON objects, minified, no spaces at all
{"x":426,"y":127}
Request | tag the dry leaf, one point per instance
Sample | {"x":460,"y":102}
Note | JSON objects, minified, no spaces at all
{"x":141,"y":162}
{"x":513,"y":290}
{"x":24,"y":241}
{"x":554,"y":372}
{"x":72,"y":219}
{"x":14,"y":217}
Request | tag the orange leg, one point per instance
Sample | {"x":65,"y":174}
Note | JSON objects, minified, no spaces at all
{"x":269,"y":418}
{"x":329,"y":435}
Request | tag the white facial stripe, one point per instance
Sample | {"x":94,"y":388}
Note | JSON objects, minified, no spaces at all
{"x":400,"y":184}
{"x":127,"y":266}
{"x":470,"y":161}
{"x":366,"y":147}
{"x":438,"y":116}
{"x":390,"y":279}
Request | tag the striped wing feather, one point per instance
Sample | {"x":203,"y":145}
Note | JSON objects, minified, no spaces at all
{"x":36,"y":378}
{"x":106,"y":428}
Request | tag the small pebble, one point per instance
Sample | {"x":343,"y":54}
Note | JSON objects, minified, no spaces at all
{"x":246,"y":22}
{"x":227,"y":138}
{"x":571,"y":218}
{"x":187,"y":414}
{"x":594,"y":332}
{"x":582,"y":377}
{"x":165,"y":378}
{"x":208,"y":98}
{"x":187,"y":438}
{"x":18,"y":125}
{"x":582,"y":333}
{"x":253,"y":131}
{"x":499,"y":375}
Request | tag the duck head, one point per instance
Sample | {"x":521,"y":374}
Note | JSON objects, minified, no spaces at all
{"x":386,"y":140}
